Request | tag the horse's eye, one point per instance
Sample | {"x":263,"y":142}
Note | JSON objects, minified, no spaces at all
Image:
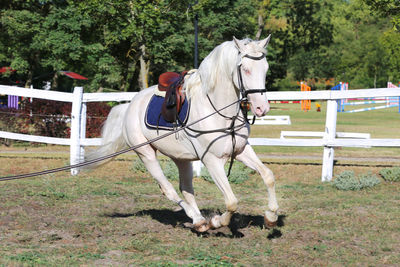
{"x":247,"y":71}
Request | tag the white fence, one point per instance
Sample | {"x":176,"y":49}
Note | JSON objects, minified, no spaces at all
{"x":272,"y":120}
{"x":328,"y":141}
{"x":78,"y":140}
{"x":285,"y":134}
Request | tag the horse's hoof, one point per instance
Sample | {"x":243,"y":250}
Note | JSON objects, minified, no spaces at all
{"x":215,"y":222}
{"x":202,"y":226}
{"x":270,"y":219}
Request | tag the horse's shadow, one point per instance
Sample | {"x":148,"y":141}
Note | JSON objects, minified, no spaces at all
{"x":180,"y":219}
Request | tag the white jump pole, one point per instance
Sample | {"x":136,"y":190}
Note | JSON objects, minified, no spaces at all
{"x":75,"y":147}
{"x":329,"y":136}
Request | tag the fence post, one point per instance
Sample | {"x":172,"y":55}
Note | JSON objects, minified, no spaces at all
{"x":75,"y":147}
{"x":197,"y":165}
{"x":82,"y":134}
{"x":329,"y":136}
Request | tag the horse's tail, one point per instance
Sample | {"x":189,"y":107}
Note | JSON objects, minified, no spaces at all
{"x":111,"y":135}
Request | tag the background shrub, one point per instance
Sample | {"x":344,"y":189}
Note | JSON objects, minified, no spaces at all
{"x":168,"y":166}
{"x":97,"y":113}
{"x":368,"y":180}
{"x":50,"y":118}
{"x":138,"y":166}
{"x":239,"y":173}
{"x":170,"y":170}
{"x":391,"y":174}
{"x":348,"y":181}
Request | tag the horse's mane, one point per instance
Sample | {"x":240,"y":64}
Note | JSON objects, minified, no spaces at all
{"x":217,"y":67}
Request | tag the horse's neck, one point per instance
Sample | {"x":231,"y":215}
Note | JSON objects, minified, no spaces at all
{"x":223,"y":95}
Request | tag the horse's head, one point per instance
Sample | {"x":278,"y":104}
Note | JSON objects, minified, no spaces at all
{"x":249,"y":77}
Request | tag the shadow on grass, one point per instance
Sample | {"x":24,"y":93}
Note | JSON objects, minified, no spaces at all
{"x":179,"y":219}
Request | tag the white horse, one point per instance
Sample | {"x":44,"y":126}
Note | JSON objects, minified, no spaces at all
{"x":233,"y":70}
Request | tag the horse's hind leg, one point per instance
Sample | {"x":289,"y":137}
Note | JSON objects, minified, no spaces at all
{"x":250,"y":159}
{"x":148,"y":155}
{"x":186,"y":188}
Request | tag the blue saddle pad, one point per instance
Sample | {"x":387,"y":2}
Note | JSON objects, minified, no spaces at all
{"x":154,"y":120}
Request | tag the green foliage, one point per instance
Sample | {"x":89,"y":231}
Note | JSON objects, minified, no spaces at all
{"x":387,"y":8}
{"x":138,"y":166}
{"x":239,"y":172}
{"x":390,"y":43}
{"x":368,"y":180}
{"x":353,"y":41}
{"x":238,"y":175}
{"x":170,"y":170}
{"x":309,"y":28}
{"x":348,"y":181}
{"x":359,"y":56}
{"x":390,"y":174}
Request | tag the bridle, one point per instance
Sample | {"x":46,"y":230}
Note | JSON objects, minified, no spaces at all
{"x":244,"y":101}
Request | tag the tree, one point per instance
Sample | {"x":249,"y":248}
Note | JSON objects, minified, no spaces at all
{"x":361,"y":57}
{"x":19,"y":28}
{"x":391,"y":37}
{"x":390,"y":41}
{"x":387,"y":8}
{"x":309,"y":28}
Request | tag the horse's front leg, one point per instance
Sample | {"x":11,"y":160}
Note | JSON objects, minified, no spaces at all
{"x":251,"y":160}
{"x":215,"y":167}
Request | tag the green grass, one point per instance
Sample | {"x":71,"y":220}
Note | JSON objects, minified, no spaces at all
{"x":116,"y":215}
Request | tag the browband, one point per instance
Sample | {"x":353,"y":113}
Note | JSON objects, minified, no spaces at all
{"x":255,"y":58}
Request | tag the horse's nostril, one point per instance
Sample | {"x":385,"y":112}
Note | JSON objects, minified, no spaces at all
{"x":259,"y":111}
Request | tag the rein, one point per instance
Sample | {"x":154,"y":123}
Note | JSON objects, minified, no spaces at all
{"x":65,"y":168}
{"x":242,"y":107}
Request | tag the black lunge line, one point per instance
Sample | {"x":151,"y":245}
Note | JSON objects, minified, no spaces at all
{"x":27,"y":175}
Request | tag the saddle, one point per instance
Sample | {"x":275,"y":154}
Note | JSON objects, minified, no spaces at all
{"x":171,"y":83}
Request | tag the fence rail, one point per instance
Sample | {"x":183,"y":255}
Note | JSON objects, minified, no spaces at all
{"x":329,"y":139}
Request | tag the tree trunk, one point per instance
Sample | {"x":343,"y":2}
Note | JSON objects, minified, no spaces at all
{"x":129,"y":77}
{"x":54,"y":84}
{"x":29,"y":79}
{"x":144,"y":69}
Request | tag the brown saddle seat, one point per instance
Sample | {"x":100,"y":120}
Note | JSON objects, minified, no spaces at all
{"x":171,"y":83}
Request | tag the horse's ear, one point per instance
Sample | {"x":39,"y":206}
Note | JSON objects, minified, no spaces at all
{"x":238,"y":43}
{"x":263,"y":43}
